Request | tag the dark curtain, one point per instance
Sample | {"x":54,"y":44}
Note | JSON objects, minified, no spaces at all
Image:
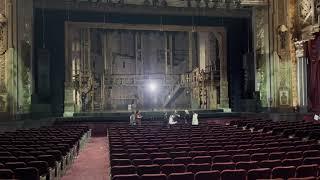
{"x":314,"y":74}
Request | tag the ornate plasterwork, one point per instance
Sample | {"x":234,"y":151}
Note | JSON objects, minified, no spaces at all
{"x":3,"y":47}
{"x":305,"y":11}
{"x":260,"y":31}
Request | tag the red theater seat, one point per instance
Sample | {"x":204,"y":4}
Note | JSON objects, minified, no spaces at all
{"x":222,"y":159}
{"x":162,"y":161}
{"x":173,"y":168}
{"x":126,"y":177}
{"x":247,"y":165}
{"x":262,"y":173}
{"x":234,"y":174}
{"x":121,"y":170}
{"x":182,"y":160}
{"x":284,"y":172}
{"x":241,"y":158}
{"x":207,"y":175}
{"x":194,"y":168}
{"x":292,"y":162}
{"x":223,"y":166}
{"x":181,"y":176}
{"x":153,"y":177}
{"x":202,"y":159}
{"x":138,"y":162}
{"x":270,"y":163}
{"x":307,"y":171}
{"x":148,"y":169}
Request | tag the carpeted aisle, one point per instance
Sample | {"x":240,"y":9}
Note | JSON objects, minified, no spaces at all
{"x":92,"y":163}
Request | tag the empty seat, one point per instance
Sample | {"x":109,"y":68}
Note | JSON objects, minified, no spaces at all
{"x":4,"y":159}
{"x":178,"y":154}
{"x":49,"y":159}
{"x":182,"y":160}
{"x":311,"y":160}
{"x":27,"y":173}
{"x":173,"y":168}
{"x":307,"y":171}
{"x":120,"y":162}
{"x":6,"y":174}
{"x":304,"y":178}
{"x":162,"y":161}
{"x":14,"y":165}
{"x":198,"y":153}
{"x":223,"y":166}
{"x":119,"y":170}
{"x":277,"y":155}
{"x":153,"y":177}
{"x":194,"y":168}
{"x":293,"y":154}
{"x":120,"y":156}
{"x":283,"y":172}
{"x":26,"y":158}
{"x":247,"y":165}
{"x":222,"y":158}
{"x":159,"y":155}
{"x":241,"y":157}
{"x":270,"y":163}
{"x":259,"y":157}
{"x":139,"y":156}
{"x":210,"y":175}
{"x":311,"y":153}
{"x":238,"y":174}
{"x":42,"y":167}
{"x":261,"y":173}
{"x":181,"y":176}
{"x":202,"y":159}
{"x":138,"y":162}
{"x":292,"y":162}
{"x":148,"y":169}
{"x":126,"y":177}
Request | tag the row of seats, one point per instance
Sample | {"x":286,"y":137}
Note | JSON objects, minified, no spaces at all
{"x":42,"y":153}
{"x":222,"y":159}
{"x":254,"y":155}
{"x":209,"y":147}
{"x":287,"y":173}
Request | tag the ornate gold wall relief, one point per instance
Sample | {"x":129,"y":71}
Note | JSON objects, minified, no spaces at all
{"x":3,"y":50}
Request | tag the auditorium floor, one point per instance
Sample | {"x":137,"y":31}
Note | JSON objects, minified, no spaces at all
{"x":92,"y":163}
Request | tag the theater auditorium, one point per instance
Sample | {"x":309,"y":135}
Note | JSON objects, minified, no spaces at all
{"x":159,"y":89}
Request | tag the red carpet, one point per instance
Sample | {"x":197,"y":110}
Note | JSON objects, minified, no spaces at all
{"x":92,"y":163}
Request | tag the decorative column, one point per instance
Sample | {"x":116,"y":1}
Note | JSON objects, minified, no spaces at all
{"x":3,"y":57}
{"x":302,"y":79}
{"x":69,"y":104}
{"x":191,"y":49}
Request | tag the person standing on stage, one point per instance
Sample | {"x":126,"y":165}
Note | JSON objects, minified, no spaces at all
{"x":138,"y":118}
{"x":132,"y":119}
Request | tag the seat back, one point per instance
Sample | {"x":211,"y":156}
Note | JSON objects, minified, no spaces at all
{"x":126,"y":177}
{"x":181,"y":176}
{"x":153,"y":177}
{"x":123,"y":170}
{"x":261,"y":173}
{"x":148,"y":169}
{"x":212,"y":175}
{"x":173,"y":168}
{"x":238,"y":174}
{"x":194,"y":168}
{"x":283,"y":172}
{"x":307,"y":171}
{"x":247,"y":165}
{"x":27,"y":173}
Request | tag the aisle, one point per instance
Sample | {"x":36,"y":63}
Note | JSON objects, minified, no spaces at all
{"x":92,"y":163}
